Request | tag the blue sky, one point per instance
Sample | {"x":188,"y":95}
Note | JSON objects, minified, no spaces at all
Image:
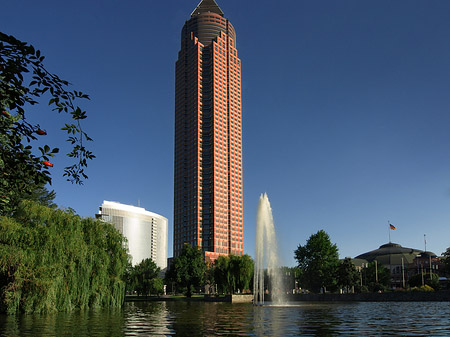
{"x":345,"y":110}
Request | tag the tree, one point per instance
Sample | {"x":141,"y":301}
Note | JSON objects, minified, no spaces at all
{"x":347,"y":275}
{"x":446,"y":260}
{"x":144,"y":278}
{"x":24,"y":80}
{"x":223,"y":275}
{"x":318,"y":261}
{"x":188,"y":269}
{"x":209,"y":278}
{"x":233,"y":273}
{"x":42,"y":196}
{"x":157,"y":286}
{"x":433,"y":282}
{"x":376,"y":271}
{"x":244,"y":277}
{"x":52,"y":260}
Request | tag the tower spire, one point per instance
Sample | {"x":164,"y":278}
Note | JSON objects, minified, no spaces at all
{"x":207,"y":6}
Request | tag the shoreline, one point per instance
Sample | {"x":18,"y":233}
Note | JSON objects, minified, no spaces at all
{"x":398,"y":296}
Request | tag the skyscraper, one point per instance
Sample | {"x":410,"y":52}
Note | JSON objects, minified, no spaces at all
{"x":208,"y":210}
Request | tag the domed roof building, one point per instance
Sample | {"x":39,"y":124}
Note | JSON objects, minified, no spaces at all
{"x":402,"y":262}
{"x":391,"y":254}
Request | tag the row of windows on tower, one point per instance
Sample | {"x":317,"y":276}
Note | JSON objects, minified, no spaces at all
{"x":219,"y":231}
{"x":222,"y":58}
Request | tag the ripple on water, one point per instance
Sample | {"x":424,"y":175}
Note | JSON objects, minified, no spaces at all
{"x":225,"y":319}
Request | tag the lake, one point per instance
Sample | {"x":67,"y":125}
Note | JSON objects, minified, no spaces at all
{"x":184,"y":318}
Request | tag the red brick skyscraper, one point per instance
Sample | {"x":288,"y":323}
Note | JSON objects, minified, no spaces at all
{"x":208,"y":136}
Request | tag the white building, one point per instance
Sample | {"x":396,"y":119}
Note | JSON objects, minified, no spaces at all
{"x":146,"y":232}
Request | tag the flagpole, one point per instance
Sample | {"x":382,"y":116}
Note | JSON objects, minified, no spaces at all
{"x":390,"y":270}
{"x":376,"y":271}
{"x":389,"y":229}
{"x":403,"y":273}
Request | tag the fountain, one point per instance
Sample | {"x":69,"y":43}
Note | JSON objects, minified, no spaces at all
{"x":266,"y":256}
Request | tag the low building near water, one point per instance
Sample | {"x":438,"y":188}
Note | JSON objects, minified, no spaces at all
{"x":402,"y":262}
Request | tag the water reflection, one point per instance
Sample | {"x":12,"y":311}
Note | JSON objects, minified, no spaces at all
{"x":84,"y":323}
{"x":317,"y":320}
{"x":140,"y":318}
{"x":183,"y":318}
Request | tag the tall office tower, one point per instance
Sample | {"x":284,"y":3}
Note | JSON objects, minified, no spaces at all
{"x":146,"y":232}
{"x":208,"y":136}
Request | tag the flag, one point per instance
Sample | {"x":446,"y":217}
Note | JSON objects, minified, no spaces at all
{"x":392,"y":227}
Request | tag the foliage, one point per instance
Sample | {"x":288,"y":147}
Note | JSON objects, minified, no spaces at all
{"x":23,"y":81}
{"x":369,"y":275}
{"x":375,"y":287}
{"x":347,"y":275}
{"x":318,"y":261}
{"x":209,"y":278}
{"x":244,"y":275}
{"x":42,"y":196}
{"x":144,"y":278}
{"x":233,"y":273}
{"x":52,"y":260}
{"x":433,"y":282}
{"x":188,"y":270}
{"x":425,"y":288}
{"x":446,"y":260}
{"x":157,"y":286}
{"x":361,"y":288}
{"x":222,"y":275}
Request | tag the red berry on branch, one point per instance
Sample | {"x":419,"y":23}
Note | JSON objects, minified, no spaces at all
{"x":41,"y":132}
{"x":46,"y":163}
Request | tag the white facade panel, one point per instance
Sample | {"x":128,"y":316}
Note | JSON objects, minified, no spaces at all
{"x":146,"y":232}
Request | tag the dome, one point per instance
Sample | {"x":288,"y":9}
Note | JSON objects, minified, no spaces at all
{"x":391,"y":254}
{"x":427,"y":255}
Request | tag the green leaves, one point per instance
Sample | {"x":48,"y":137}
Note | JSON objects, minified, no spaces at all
{"x":318,"y":261}
{"x":232,"y":273}
{"x":53,"y":260}
{"x":188,"y":270}
{"x":24,"y":80}
{"x":347,"y":275}
{"x":144,"y":278}
{"x":446,"y":260}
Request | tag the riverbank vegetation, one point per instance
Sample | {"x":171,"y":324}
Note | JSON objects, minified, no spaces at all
{"x":228,"y":274}
{"x":53,"y":260}
{"x":188,"y":271}
{"x":144,"y":279}
{"x":50,"y":260}
{"x":233,"y":274}
{"x":446,"y":260}
{"x":320,"y":270}
{"x":318,"y":262}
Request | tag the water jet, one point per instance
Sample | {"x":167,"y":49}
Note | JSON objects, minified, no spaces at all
{"x":266,"y":257}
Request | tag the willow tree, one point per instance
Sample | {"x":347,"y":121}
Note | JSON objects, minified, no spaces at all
{"x":52,"y":260}
{"x":233,"y":273}
{"x":223,"y":275}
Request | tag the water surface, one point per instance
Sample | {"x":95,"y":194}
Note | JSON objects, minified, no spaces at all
{"x":224,"y":319}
